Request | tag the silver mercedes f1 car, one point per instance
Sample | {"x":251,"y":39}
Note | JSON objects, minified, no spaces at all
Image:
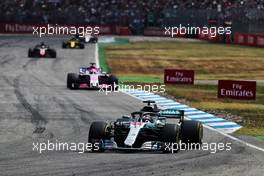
{"x":147,"y":129}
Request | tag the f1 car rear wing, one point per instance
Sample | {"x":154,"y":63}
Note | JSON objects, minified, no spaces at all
{"x":172,"y":114}
{"x":149,"y":102}
{"x":149,"y":107}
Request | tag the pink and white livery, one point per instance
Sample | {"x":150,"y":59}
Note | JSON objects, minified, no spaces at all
{"x":91,"y":78}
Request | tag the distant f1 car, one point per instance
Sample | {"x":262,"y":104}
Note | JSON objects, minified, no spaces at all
{"x":91,"y":78}
{"x":144,"y":130}
{"x":88,"y":39}
{"x":73,"y":43}
{"x":42,"y":50}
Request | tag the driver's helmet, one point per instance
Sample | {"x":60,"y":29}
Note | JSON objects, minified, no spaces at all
{"x":92,"y":66}
{"x":136,"y":116}
{"x":147,"y":118}
{"x":42,"y":44}
{"x":93,"y":70}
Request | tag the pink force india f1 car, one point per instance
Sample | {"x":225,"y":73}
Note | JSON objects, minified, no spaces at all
{"x":92,"y":78}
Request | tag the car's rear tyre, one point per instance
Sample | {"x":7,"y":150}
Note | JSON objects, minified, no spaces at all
{"x":30,"y":53}
{"x":53,"y":54}
{"x":113,"y":81}
{"x":170,"y":135}
{"x":64,"y":45}
{"x":192,"y":131}
{"x":81,"y":46}
{"x":72,"y":81}
{"x":98,"y":132}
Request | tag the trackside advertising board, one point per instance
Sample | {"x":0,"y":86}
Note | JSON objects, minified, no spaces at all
{"x":241,"y":90}
{"x":17,"y":28}
{"x":175,"y":76}
{"x":249,"y":39}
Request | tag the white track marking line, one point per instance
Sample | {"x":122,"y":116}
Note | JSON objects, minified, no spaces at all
{"x":190,"y":109}
{"x":195,"y":112}
{"x":169,"y":104}
{"x":201,"y":116}
{"x":165,"y":101}
{"x":212,"y":119}
{"x":153,"y":99}
{"x":221,"y":124}
{"x":148,"y":96}
{"x":235,"y":139}
{"x":96,"y":56}
{"x":175,"y":107}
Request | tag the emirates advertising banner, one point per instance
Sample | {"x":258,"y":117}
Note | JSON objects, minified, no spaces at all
{"x":241,"y":90}
{"x":175,"y":76}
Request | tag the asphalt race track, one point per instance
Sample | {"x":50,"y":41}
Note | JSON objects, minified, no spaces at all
{"x":36,"y":106}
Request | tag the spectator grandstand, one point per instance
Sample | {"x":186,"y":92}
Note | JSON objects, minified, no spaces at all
{"x":136,"y":13}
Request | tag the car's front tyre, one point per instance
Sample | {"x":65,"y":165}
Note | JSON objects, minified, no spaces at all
{"x":72,"y":81}
{"x":98,"y":132}
{"x":53,"y":54}
{"x":30,"y":53}
{"x":113,"y":82}
{"x":170,"y":135}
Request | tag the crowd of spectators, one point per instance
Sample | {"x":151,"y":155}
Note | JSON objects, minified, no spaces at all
{"x":124,"y":12}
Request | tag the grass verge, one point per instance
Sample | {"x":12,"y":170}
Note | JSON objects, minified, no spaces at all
{"x":141,"y":79}
{"x":102,"y":59}
{"x":210,"y":61}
